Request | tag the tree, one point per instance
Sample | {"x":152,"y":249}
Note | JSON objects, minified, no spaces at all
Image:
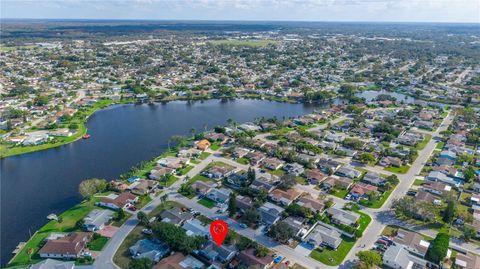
{"x":287,"y":181}
{"x":438,"y":248}
{"x":89,"y":187}
{"x":449,"y":212}
{"x":232,"y":205}
{"x":251,"y":216}
{"x":142,"y":263}
{"x":261,"y":251}
{"x":468,"y":233}
{"x":370,"y":258}
{"x":143,"y":218}
{"x":469,"y":174}
{"x":251,"y":175}
{"x":281,"y":232}
{"x":177,"y":238}
{"x":367,"y":157}
{"x":120,"y":214}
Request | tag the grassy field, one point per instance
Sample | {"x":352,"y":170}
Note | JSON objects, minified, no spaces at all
{"x":243,"y":161}
{"x":98,"y":243}
{"x":70,"y":218}
{"x":339,"y":193}
{"x":215,"y":146}
{"x":249,"y":43}
{"x":401,"y":170}
{"x":425,"y":141}
{"x":207,"y":202}
{"x":364,"y":221}
{"x":333,"y":257}
{"x":204,"y":155}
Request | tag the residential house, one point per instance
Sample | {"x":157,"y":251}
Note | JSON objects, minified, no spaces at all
{"x":159,"y":173}
{"x":397,"y":257}
{"x":70,"y":246}
{"x":194,"y":227}
{"x":237,"y":180}
{"x":348,"y":171}
{"x":218,"y":172}
{"x":96,"y":219}
{"x":313,"y":204}
{"x":314,"y":176}
{"x":144,"y":187}
{"x":362,"y":190}
{"x":441,"y":177}
{"x":328,"y":165}
{"x":390,"y":161}
{"x":203,"y":144}
{"x":153,"y":250}
{"x":53,"y":264}
{"x":179,"y":261}
{"x":219,"y":195}
{"x":427,"y":197}
{"x":412,"y":242}
{"x":189,"y":153}
{"x":248,"y":258}
{"x":240,"y":153}
{"x":255,"y":157}
{"x":337,"y":182}
{"x":323,"y":235}
{"x":341,"y":216}
{"x":175,"y":216}
{"x":263,"y":183}
{"x":294,"y":169}
{"x":283,"y":197}
{"x":123,"y":200}
{"x":467,"y":261}
{"x":223,"y":253}
{"x":436,"y":187}
{"x":270,"y":213}
{"x":202,"y":187}
{"x":244,"y":203}
{"x":173,"y":162}
{"x":297,"y":225}
{"x":374,"y":179}
{"x":272,"y":163}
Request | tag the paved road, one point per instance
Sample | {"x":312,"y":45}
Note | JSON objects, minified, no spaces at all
{"x":381,"y":217}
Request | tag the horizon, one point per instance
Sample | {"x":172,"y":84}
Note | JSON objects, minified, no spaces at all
{"x":385,"y":11}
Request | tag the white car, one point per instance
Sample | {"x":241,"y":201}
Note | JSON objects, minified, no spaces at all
{"x":147,"y":231}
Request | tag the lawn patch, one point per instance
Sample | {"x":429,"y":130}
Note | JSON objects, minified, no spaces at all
{"x":204,"y":155}
{"x":401,"y":170}
{"x":207,"y":202}
{"x":333,"y":257}
{"x":97,"y":243}
{"x":243,"y":161}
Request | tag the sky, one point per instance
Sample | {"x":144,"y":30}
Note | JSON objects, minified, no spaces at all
{"x":261,"y":10}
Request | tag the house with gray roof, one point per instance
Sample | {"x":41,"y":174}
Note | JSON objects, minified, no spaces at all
{"x":194,"y":227}
{"x":322,"y":235}
{"x":96,"y":219}
{"x":223,"y":253}
{"x":153,"y":250}
{"x":175,"y":216}
{"x":397,"y":257}
{"x":340,"y":216}
{"x":270,"y":213}
{"x":219,"y":195}
{"x":374,"y":179}
{"x":53,"y":264}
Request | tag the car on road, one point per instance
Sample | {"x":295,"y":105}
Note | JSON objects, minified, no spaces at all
{"x":278,"y":259}
{"x":243,"y":225}
{"x":132,"y":208}
{"x":147,"y":231}
{"x":411,"y":193}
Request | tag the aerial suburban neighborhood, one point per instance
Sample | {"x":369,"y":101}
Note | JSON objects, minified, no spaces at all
{"x":351,"y":146}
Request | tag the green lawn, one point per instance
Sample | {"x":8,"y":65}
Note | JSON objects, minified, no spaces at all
{"x":243,"y":161}
{"x":70,"y":217}
{"x":207,"y":202}
{"x":333,"y":257}
{"x":204,"y":155}
{"x":98,"y":243}
{"x":167,"y":183}
{"x":425,"y":141}
{"x":123,"y":257}
{"x":401,"y":170}
{"x":215,"y":146}
{"x":364,"y":221}
{"x":378,"y":203}
{"x":278,"y":172}
{"x":185,"y":170}
{"x":440,"y":145}
{"x":339,"y":193}
{"x":120,"y":222}
{"x":418,"y":182}
{"x":250,"y":43}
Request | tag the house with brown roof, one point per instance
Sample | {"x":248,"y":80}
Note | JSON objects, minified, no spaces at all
{"x":143,"y":187}
{"x":272,"y":163}
{"x":179,"y":261}
{"x":314,"y":176}
{"x":337,"y":182}
{"x":244,"y":202}
{"x":202,"y":187}
{"x":361,"y":190}
{"x":160,"y":172}
{"x":427,"y":197}
{"x":249,"y":259}
{"x":70,"y":246}
{"x":123,"y":200}
{"x":284,"y":197}
{"x":203,"y":144}
{"x":412,"y":241}
{"x":308,"y":201}
{"x":436,"y":187}
{"x":255,"y":157}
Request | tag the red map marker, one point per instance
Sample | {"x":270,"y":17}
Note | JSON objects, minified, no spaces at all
{"x":218,"y":230}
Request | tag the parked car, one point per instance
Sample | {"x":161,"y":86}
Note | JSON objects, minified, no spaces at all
{"x":147,"y":231}
{"x":243,"y":225}
{"x":278,"y":259}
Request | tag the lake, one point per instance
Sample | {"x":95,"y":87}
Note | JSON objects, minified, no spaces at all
{"x":36,"y":184}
